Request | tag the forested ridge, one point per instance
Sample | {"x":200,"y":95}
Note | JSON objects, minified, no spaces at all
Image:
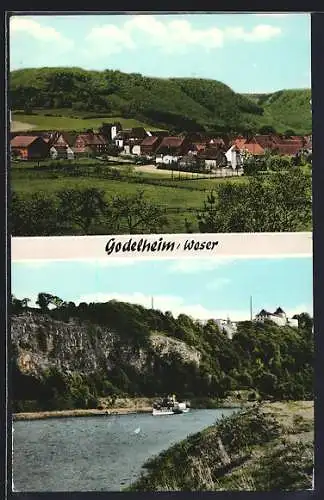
{"x":178,"y":104}
{"x":70,"y":356}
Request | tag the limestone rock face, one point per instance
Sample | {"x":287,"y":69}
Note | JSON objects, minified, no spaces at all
{"x":40,"y":342}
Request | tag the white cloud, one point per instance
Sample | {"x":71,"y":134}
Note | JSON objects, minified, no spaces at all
{"x":260,"y":33}
{"x":39,"y":32}
{"x":176,"y":34}
{"x":307,"y":308}
{"x":218,"y":283}
{"x":109,"y":39}
{"x":170,"y":36}
{"x":194,"y":265}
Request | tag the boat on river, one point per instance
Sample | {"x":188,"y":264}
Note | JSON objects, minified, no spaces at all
{"x":169,"y":406}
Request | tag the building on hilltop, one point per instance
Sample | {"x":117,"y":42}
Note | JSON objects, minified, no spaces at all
{"x":227,"y":326}
{"x":279,"y":317}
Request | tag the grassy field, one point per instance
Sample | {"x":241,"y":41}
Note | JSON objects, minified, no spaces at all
{"x":42,"y":122}
{"x":181,"y":197}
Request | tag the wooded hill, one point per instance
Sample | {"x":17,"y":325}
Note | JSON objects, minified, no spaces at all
{"x":177,"y":104}
{"x":72,"y":355}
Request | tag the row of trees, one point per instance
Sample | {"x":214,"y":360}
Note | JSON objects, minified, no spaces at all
{"x":76,"y":211}
{"x":273,"y":361}
{"x":270,"y":162}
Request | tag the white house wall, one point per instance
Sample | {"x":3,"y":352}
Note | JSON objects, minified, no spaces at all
{"x":136,"y":150}
{"x":210,"y":163}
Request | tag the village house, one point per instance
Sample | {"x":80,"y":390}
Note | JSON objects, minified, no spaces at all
{"x":176,"y":146}
{"x":279,"y":317}
{"x":90,"y":143}
{"x":29,"y":147}
{"x":191,"y":163}
{"x":59,"y":147}
{"x":150,"y":144}
{"x":110,"y":130}
{"x":197,"y":147}
{"x":251,"y":147}
{"x":214,"y":157}
{"x":267,"y":142}
{"x":234,"y":157}
{"x":289,"y":147}
{"x":129,"y":140}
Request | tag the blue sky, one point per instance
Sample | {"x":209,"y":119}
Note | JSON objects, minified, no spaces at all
{"x":202,"y":288}
{"x":248,"y":52}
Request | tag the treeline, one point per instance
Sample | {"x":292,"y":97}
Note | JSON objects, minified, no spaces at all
{"x":277,"y":201}
{"x":263,"y":358}
{"x":84,"y":211}
{"x":177,"y":104}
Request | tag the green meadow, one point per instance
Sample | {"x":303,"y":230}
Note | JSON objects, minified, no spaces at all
{"x":182,"y":197}
{"x":60,"y":120}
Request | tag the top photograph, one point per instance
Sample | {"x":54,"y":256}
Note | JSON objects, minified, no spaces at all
{"x":159,"y":123}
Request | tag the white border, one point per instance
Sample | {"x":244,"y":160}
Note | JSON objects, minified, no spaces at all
{"x":267,"y":245}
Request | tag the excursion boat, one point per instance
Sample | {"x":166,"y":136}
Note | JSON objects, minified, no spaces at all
{"x":169,"y":406}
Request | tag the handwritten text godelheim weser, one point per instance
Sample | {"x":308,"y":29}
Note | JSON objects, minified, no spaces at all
{"x":158,"y":245}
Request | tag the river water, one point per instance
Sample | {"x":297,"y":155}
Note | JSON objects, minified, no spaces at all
{"x":102,"y":453}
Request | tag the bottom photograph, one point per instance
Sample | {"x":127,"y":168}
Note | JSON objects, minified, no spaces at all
{"x":162,"y":374}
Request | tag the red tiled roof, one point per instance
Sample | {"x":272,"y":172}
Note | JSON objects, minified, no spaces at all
{"x":172,"y":142}
{"x":211,"y":152}
{"x":288,"y":149}
{"x":253,"y":148}
{"x":23,"y":141}
{"x":267,"y":141}
{"x":92,"y":139}
{"x":239,"y":143}
{"x":149,"y":140}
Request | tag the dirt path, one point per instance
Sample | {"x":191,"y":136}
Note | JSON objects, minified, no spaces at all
{"x":21,"y":126}
{"x":151,"y":169}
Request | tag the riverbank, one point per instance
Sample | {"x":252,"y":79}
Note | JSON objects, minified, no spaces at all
{"x":118,"y":406}
{"x":124,"y":406}
{"x":77,"y":413}
{"x":266,"y":447}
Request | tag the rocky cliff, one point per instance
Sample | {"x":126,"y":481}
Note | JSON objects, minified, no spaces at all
{"x":43,"y":345}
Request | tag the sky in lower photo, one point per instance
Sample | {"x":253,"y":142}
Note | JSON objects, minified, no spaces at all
{"x":201,"y":288}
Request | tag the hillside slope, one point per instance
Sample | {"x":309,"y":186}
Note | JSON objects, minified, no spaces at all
{"x":178,"y":104}
{"x":291,"y":107}
{"x":268,"y":447}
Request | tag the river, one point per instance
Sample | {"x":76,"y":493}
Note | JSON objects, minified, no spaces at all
{"x":102,"y":453}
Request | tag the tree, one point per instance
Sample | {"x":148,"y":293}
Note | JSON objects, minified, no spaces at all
{"x":81,"y":207}
{"x":289,"y":133}
{"x":135,"y":214}
{"x":34,"y":215}
{"x":46,"y":299}
{"x":267,"y":130}
{"x":278,"y":203}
